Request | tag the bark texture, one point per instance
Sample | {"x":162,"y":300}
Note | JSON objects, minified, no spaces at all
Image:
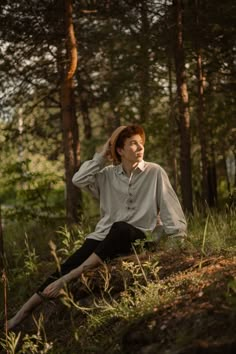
{"x":183,"y":110}
{"x":69,"y":121}
{"x":1,"y":243}
{"x":202,"y":123}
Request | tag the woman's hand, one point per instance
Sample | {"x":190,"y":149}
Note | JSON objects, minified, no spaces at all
{"x":54,"y":289}
{"x":106,"y":150}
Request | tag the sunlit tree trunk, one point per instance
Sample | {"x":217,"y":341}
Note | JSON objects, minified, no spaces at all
{"x":69,"y":121}
{"x":183,"y":110}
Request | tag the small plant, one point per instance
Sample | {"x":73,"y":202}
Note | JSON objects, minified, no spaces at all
{"x":231,"y":292}
{"x":203,"y":242}
{"x":30,"y":259}
{"x":10,"y":343}
{"x":34,"y":344}
{"x":71,"y":239}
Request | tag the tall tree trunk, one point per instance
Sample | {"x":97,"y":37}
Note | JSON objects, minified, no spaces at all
{"x":202,"y":124}
{"x":172,"y":109}
{"x":183,"y":110}
{"x":234,"y":152}
{"x":69,"y":121}
{"x":144,"y":64}
{"x":1,"y":243}
{"x":172,"y":124}
{"x":112,"y":120}
{"x":212,"y":178}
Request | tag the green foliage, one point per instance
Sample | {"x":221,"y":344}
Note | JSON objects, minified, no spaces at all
{"x":30,"y":262}
{"x":231,"y":293}
{"x":71,"y":238}
{"x":136,"y":35}
{"x":34,"y":343}
{"x":214,"y":233}
{"x":11,"y":342}
{"x":32,"y":194}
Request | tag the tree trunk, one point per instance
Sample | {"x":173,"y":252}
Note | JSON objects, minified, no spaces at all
{"x":183,"y":110}
{"x":172,"y":125}
{"x":201,"y":116}
{"x":112,"y":120}
{"x":1,"y":242}
{"x":69,"y":121}
{"x":212,"y":179}
{"x":234,"y":185}
{"x":201,"y":127}
{"x":145,"y":65}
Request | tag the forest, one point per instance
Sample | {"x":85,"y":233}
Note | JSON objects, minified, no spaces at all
{"x":70,"y":73}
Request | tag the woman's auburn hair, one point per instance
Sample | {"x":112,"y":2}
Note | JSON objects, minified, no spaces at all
{"x":129,"y":131}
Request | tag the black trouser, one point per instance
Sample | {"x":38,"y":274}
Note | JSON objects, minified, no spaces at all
{"x":118,"y":241}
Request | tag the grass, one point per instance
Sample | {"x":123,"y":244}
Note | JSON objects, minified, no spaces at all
{"x":135,"y":295}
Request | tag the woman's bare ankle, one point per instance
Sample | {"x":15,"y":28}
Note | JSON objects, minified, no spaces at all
{"x":17,"y":319}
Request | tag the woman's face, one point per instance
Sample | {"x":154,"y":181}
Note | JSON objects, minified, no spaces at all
{"x":133,"y":150}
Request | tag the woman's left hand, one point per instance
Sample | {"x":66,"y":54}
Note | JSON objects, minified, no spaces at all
{"x":54,"y":289}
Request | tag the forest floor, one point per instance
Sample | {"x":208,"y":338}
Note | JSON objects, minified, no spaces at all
{"x":202,"y":317}
{"x":199,"y":316}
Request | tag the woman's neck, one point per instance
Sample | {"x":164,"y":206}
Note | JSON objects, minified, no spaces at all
{"x":129,"y":167}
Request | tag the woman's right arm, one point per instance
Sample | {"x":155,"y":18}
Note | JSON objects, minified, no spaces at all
{"x":85,"y":177}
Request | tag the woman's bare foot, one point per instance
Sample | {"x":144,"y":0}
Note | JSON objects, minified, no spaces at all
{"x":24,"y":312}
{"x":14,"y":321}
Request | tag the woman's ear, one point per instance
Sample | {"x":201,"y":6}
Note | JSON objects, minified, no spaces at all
{"x":119,"y":151}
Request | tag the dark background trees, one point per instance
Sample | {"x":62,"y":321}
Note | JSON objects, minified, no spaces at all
{"x":168,"y":65}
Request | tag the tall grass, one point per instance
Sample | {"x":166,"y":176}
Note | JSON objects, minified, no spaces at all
{"x":216,"y":231}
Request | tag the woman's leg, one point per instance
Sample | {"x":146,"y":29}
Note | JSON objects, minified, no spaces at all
{"x":118,"y":241}
{"x":53,"y":289}
{"x":36,"y":299}
{"x":72,"y":262}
